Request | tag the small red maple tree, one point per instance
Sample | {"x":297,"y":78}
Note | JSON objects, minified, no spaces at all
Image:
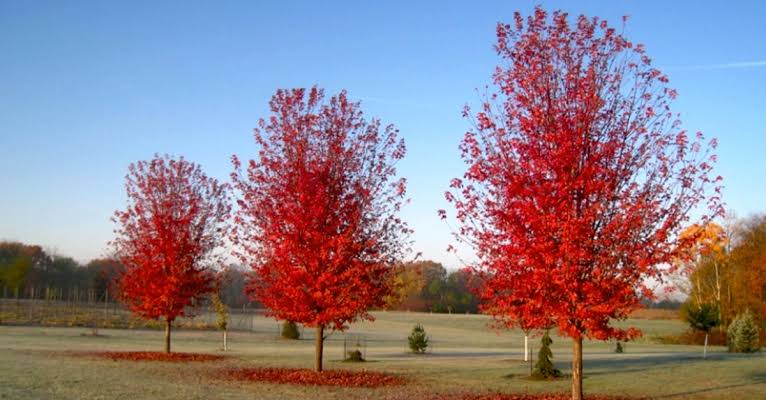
{"x":578,"y":179}
{"x":317,"y":217}
{"x":168,"y":237}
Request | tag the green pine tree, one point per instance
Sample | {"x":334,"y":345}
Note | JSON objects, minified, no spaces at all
{"x":544,"y":367}
{"x":743,"y":335}
{"x":702,"y":317}
{"x":418,"y":341}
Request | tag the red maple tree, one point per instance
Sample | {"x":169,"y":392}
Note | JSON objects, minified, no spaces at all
{"x":578,"y":179}
{"x":169,"y":237}
{"x":317,"y":217}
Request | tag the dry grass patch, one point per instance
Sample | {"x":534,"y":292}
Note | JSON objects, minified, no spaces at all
{"x":655,"y":314}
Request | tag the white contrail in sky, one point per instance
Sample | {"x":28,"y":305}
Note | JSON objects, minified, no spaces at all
{"x":733,"y":65}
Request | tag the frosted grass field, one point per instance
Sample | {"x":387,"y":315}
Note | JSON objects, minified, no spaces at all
{"x":466,"y":356}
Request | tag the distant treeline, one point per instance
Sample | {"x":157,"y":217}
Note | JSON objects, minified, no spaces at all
{"x":665,"y":304}
{"x":428,"y":286}
{"x":28,"y":271}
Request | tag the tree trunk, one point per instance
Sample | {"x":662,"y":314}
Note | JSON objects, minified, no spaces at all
{"x":699,"y":292}
{"x":577,"y":369}
{"x":704,"y":351}
{"x":167,"y":336}
{"x":224,"y":340}
{"x":728,"y":303}
{"x":531,"y":363}
{"x":526,"y":348}
{"x":319,"y":348}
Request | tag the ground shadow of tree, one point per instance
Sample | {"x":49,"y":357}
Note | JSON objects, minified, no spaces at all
{"x":608,"y":366}
{"x":619,"y":365}
{"x":759,"y":381}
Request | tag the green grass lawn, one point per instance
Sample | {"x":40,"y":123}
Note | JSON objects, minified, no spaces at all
{"x":465,"y":356}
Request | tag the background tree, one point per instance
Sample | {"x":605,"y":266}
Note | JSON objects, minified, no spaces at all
{"x":406,"y":285}
{"x":318,"y":209}
{"x":29,"y":271}
{"x":222,"y":316}
{"x":168,"y":237}
{"x":433,"y":275}
{"x":233,"y":280}
{"x":748,"y":260}
{"x":743,"y":335}
{"x":460,"y":288}
{"x":61,"y":272}
{"x":578,"y":179}
{"x":9,"y":251}
{"x":13,"y":272}
{"x":428,"y":286}
{"x":704,"y":267}
{"x":101,"y":274}
{"x":23,"y":266}
{"x":702,"y":317}
{"x":725,"y":267}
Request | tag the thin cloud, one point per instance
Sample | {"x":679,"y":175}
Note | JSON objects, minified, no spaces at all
{"x":733,"y":65}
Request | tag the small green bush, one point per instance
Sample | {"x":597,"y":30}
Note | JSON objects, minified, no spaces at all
{"x":618,"y":348}
{"x":418,"y":341}
{"x":743,"y":334}
{"x":355,"y":356}
{"x":544,"y":368}
{"x":290,"y":331}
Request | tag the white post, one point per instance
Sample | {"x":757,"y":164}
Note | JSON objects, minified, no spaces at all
{"x":224,"y":340}
{"x":526,"y":348}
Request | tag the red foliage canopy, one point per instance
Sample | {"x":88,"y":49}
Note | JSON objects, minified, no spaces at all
{"x":579,"y":177}
{"x":317,"y":217}
{"x":168,"y":235}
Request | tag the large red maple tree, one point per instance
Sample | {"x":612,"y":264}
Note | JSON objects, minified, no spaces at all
{"x":169,"y":237}
{"x":317,"y":215}
{"x":578,"y":179}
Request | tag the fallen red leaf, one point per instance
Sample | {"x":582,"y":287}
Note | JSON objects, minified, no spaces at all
{"x":528,"y":396}
{"x":307,"y":377}
{"x":511,"y":396}
{"x":151,"y":356}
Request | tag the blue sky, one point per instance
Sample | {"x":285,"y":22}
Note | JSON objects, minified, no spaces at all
{"x":88,"y":87}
